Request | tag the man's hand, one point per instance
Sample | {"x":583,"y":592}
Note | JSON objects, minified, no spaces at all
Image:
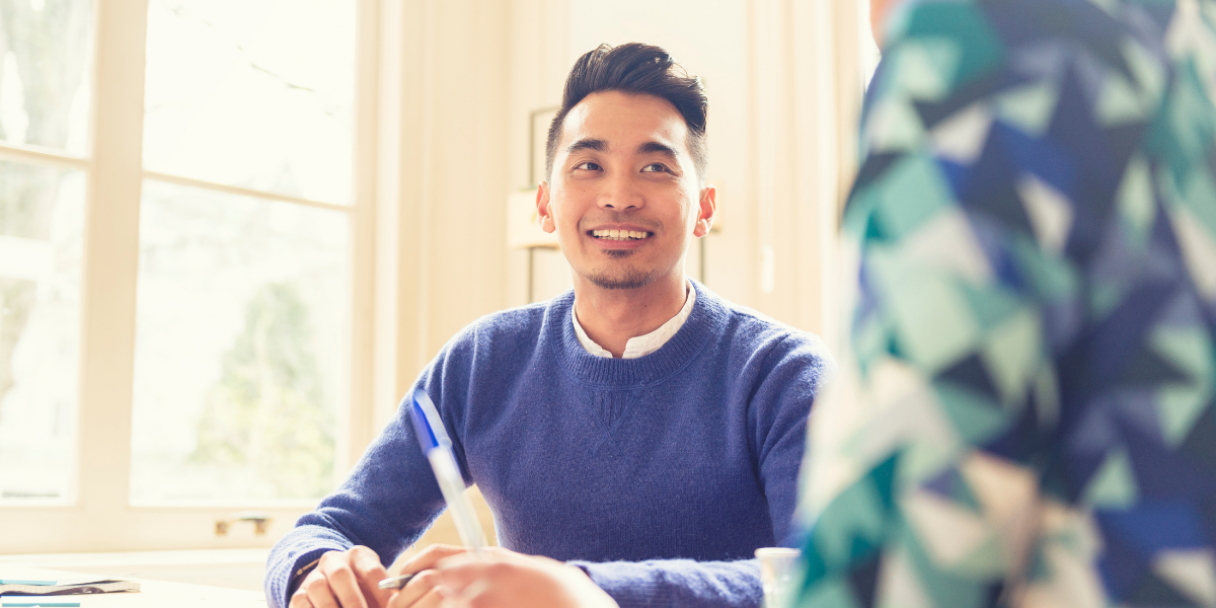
{"x":498,"y":578}
{"x":423,"y":590}
{"x":344,"y":579}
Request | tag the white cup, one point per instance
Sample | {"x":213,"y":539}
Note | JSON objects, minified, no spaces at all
{"x":777,"y":570}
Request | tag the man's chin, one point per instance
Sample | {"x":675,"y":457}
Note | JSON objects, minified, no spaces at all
{"x":631,"y":278}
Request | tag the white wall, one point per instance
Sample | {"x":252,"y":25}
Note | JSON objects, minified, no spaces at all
{"x":442,"y":175}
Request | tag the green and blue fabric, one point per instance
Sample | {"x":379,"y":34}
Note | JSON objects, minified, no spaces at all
{"x":1026,"y":409}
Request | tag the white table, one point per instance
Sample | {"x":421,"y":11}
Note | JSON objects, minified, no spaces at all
{"x":152,"y":594}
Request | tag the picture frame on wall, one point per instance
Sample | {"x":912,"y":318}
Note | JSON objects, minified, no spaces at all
{"x":539,"y":135}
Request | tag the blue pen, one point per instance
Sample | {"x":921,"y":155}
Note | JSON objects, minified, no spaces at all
{"x":15,"y":581}
{"x":435,"y":443}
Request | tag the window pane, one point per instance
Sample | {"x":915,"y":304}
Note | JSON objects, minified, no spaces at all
{"x":253,"y":93}
{"x":241,"y":347}
{"x":45,"y":51}
{"x":41,"y":216}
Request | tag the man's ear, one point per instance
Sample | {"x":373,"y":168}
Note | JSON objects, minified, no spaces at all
{"x":543,"y":211}
{"x":705,"y":215}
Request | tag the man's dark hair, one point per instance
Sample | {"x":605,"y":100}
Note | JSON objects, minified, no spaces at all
{"x":641,"y":69}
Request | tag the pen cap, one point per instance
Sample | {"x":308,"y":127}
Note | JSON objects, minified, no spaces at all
{"x":428,"y":426}
{"x":437,"y":446}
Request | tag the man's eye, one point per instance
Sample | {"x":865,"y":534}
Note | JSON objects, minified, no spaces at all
{"x":589,"y":166}
{"x":656,"y":167}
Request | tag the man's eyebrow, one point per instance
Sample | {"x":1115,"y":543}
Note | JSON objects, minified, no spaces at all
{"x":598,"y":145}
{"x":652,"y":147}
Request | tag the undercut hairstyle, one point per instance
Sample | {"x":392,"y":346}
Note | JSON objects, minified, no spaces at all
{"x":639,"y":69}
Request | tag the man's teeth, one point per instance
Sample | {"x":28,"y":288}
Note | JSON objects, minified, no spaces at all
{"x":619,"y":235}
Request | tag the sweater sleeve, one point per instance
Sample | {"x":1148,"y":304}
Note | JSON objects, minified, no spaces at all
{"x":678,"y":583}
{"x":780,"y":380}
{"x":389,"y":500}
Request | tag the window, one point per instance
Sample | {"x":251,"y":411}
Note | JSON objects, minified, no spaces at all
{"x":44,"y":93}
{"x":179,"y":220}
{"x":242,"y":304}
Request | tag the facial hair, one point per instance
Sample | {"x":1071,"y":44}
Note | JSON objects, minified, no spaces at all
{"x":628,"y":278}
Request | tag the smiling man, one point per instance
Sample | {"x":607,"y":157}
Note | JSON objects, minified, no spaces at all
{"x":639,"y":429}
{"x":626,"y":199}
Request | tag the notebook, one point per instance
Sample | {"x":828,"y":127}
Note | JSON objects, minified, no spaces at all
{"x":10,"y":587}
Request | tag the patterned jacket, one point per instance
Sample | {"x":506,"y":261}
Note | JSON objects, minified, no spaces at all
{"x":1026,"y":412}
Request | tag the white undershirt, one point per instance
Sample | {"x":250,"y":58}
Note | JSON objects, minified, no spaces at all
{"x":640,"y":346}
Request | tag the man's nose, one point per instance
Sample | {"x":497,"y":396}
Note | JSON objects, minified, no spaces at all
{"x":621,"y":193}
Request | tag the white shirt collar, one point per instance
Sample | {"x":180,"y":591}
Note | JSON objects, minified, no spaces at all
{"x":640,"y":346}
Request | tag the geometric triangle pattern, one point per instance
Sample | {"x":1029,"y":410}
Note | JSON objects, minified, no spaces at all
{"x":1025,"y":412}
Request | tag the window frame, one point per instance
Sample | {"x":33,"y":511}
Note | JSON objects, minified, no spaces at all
{"x":100,"y":516}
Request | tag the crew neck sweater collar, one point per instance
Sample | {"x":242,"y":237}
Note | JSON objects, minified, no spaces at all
{"x":640,"y":346}
{"x":705,"y":321}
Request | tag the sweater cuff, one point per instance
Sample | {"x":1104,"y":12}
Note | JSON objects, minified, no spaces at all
{"x":300,"y":574}
{"x":629,"y":590}
{"x":289,"y":580}
{"x":678,"y":583}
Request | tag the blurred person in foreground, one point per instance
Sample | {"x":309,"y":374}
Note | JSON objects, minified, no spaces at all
{"x":641,"y":433}
{"x":1026,"y":413}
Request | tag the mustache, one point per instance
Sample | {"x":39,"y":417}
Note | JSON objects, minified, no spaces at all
{"x":587,"y":223}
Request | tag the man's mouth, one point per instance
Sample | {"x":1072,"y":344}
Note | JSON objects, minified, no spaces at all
{"x":620,"y":235}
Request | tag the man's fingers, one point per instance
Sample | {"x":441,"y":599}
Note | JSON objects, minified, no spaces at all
{"x":369,"y":572}
{"x":299,"y":599}
{"x":504,"y":579}
{"x":432,"y":599}
{"x":416,"y":590}
{"x":366,"y":563}
{"x":342,"y":581}
{"x":478,"y":592}
{"x":457,"y":572}
{"x":428,"y":557}
{"x":319,"y":593}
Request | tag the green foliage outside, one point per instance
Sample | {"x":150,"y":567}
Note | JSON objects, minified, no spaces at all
{"x":267,"y":410}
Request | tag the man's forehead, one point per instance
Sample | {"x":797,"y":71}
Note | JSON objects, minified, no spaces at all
{"x":625,"y":121}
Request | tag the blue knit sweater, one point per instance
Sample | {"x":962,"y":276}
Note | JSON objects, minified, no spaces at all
{"x":658,"y":475}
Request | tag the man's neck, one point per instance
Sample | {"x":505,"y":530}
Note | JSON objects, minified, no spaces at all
{"x":612,"y":316}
